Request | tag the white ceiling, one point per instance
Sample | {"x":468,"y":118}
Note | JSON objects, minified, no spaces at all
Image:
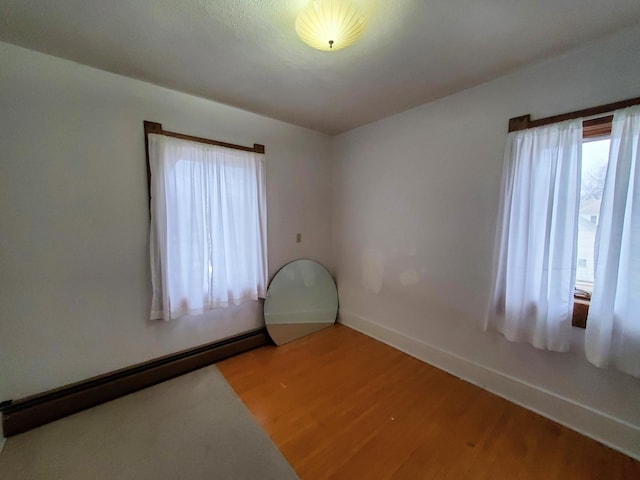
{"x":246,"y":53}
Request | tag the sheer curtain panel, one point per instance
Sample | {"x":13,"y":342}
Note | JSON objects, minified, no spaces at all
{"x":613,"y":323}
{"x":208,"y":226}
{"x":535,"y":258}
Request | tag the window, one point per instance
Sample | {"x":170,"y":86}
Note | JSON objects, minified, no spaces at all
{"x":208,"y":224}
{"x":595,"y":156}
{"x":547,"y":198}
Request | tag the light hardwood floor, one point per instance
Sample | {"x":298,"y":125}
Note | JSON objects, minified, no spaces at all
{"x":339,"y":404}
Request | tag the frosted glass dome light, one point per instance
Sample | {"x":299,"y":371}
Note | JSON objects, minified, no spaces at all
{"x":330,"y":24}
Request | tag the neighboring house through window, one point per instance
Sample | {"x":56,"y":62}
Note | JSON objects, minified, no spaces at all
{"x":595,"y":157}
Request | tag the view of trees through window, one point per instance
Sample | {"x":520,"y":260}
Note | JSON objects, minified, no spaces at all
{"x":595,"y":156}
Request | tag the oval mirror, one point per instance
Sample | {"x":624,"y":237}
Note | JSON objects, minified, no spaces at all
{"x":301,"y":299}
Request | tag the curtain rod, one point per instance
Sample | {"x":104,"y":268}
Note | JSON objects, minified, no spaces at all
{"x":153,"y":127}
{"x":524,"y":122}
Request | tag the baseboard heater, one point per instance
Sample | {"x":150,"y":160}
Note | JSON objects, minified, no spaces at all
{"x":27,"y":413}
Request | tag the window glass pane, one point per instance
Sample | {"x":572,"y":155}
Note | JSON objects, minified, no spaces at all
{"x":595,"y":155}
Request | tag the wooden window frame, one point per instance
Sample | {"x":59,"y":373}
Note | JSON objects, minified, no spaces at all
{"x":524,"y":122}
{"x":591,"y":129}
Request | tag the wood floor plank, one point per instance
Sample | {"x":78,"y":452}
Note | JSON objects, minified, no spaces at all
{"x":340,"y":405}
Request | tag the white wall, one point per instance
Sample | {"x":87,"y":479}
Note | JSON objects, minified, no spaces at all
{"x":416,"y":198}
{"x":415,"y":208}
{"x":74,"y":275}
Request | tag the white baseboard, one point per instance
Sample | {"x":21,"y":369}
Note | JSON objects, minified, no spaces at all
{"x":600,"y":426}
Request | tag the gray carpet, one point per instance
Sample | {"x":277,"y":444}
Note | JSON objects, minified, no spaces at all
{"x":191,"y":427}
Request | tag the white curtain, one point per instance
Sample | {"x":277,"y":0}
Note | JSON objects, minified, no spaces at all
{"x":535,"y":258}
{"x":208,"y":226}
{"x":613,"y":324}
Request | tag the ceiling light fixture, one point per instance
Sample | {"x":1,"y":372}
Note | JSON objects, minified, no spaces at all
{"x":330,"y":24}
